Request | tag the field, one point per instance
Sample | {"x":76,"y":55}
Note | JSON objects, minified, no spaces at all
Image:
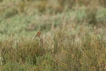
{"x":73,"y":35}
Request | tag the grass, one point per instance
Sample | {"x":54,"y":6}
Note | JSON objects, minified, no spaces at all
{"x":81,"y":51}
{"x":74,"y":37}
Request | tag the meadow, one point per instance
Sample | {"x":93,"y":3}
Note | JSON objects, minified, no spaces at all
{"x":73,"y":34}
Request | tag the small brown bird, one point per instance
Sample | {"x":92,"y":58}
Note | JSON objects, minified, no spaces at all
{"x":38,"y":34}
{"x":38,"y":38}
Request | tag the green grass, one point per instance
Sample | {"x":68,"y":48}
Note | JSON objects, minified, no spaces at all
{"x":74,"y":39}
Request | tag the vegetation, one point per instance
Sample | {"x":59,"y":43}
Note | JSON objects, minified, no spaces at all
{"x":73,"y":36}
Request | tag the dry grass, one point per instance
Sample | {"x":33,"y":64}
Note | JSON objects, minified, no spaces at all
{"x":70,"y":39}
{"x":64,"y":51}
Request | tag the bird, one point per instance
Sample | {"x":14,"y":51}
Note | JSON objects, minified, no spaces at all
{"x":38,"y":38}
{"x":38,"y":34}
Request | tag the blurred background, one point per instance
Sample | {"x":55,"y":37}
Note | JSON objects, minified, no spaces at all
{"x":73,"y":35}
{"x":23,"y":18}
